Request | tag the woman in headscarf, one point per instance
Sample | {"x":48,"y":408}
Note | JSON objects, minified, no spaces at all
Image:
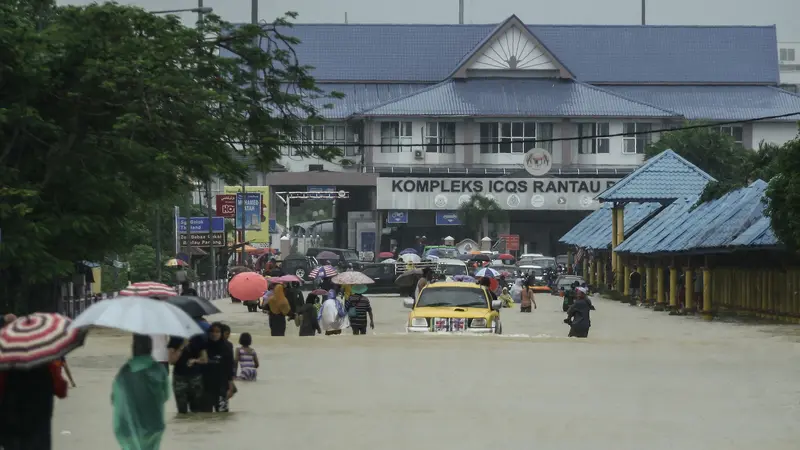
{"x":307,"y":316}
{"x":278,"y":308}
{"x":138,"y":395}
{"x":332,"y":315}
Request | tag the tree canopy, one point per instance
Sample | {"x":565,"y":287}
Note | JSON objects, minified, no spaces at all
{"x":477,"y":212}
{"x":108,"y":110}
{"x":783,"y":194}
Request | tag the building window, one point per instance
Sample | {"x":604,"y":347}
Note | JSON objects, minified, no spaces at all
{"x":787,"y":54}
{"x":591,"y":141}
{"x":793,"y":88}
{"x":440,"y":137}
{"x":515,"y":137}
{"x":395,"y":137}
{"x":633,"y":143}
{"x":736,"y":132}
{"x":321,"y":136}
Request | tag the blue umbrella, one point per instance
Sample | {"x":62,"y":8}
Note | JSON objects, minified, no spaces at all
{"x":464,"y":278}
{"x":408,"y":250}
{"x":487,"y":272}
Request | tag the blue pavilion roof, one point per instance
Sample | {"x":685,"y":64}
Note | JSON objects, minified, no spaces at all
{"x":734,"y":220}
{"x":665,"y":177}
{"x":594,"y":232}
{"x":627,"y":54}
{"x":716,"y":102}
{"x":513,"y":97}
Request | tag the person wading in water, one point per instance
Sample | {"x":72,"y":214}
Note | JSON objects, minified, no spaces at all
{"x":578,"y":314}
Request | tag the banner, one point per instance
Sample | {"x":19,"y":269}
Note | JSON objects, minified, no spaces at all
{"x":226,"y":206}
{"x":248,"y":211}
{"x":261,"y":235}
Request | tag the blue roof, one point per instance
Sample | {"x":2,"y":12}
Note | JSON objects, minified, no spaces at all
{"x":759,"y":234}
{"x":666,"y":176}
{"x":511,"y":97}
{"x":362,"y":96}
{"x":594,"y":231}
{"x":716,"y":102}
{"x":596,"y":54}
{"x":716,"y":224}
{"x":653,"y":232}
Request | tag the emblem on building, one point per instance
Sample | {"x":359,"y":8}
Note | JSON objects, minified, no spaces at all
{"x":463,"y":200}
{"x":440,"y":201}
{"x":537,"y":201}
{"x":537,"y":161}
{"x":513,"y":200}
{"x":586,"y":201}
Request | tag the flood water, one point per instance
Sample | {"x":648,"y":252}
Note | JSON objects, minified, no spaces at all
{"x":643,"y":380}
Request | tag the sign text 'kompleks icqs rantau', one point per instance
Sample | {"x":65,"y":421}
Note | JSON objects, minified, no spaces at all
{"x":500,"y":186}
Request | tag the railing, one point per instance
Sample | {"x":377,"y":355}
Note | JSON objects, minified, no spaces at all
{"x":72,"y":306}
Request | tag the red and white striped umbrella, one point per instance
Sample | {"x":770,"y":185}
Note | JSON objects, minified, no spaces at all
{"x":37,"y":339}
{"x":324,"y":272}
{"x":148,"y":289}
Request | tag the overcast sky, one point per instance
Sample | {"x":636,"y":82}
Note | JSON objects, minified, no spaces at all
{"x":783,"y":13}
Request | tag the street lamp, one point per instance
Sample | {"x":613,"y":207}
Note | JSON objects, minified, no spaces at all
{"x":200,"y":10}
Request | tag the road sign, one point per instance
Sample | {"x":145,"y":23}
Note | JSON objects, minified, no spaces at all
{"x":200,"y":225}
{"x":512,"y":242}
{"x":226,"y":205}
{"x":202,"y":240}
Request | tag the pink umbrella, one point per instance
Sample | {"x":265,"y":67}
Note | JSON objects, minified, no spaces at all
{"x":385,"y":255}
{"x":290,"y":279}
{"x":148,"y":289}
{"x":319,"y":292}
{"x":247,"y":286}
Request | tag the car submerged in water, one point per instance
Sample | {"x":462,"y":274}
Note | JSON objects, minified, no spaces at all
{"x":454,"y":307}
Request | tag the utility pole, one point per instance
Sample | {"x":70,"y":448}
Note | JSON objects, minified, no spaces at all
{"x":644,"y":12}
{"x":461,"y":12}
{"x":158,"y":243}
{"x":211,"y":233}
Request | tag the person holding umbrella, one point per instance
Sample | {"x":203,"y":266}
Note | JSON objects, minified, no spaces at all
{"x":30,"y":377}
{"x":358,"y":308}
{"x":278,"y":309}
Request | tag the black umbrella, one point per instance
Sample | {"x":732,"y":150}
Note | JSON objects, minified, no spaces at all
{"x":408,"y":278}
{"x":194,"y":306}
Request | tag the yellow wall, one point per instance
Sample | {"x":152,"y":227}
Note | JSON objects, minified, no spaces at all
{"x":251,"y":235}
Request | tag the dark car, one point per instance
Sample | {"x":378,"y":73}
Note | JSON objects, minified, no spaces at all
{"x":384,"y":276}
{"x":346,"y":256}
{"x":299,"y":265}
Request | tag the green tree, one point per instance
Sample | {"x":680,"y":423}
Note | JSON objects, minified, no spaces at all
{"x":783,"y":195}
{"x":478,"y":212}
{"x":108,"y":110}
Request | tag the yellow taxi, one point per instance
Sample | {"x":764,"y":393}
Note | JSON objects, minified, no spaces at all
{"x":453,"y":307}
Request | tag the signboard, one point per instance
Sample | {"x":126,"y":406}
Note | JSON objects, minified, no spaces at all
{"x":262,"y":235}
{"x":202,"y":240}
{"x":248,"y":208}
{"x":226,"y":205}
{"x":512,"y":242}
{"x":321,"y":188}
{"x":448,"y":194}
{"x":200,"y":225}
{"x":367,"y":242}
{"x":397,"y":217}
{"x":447,"y":218}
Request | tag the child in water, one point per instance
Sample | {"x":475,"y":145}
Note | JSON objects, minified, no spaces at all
{"x":246,"y":358}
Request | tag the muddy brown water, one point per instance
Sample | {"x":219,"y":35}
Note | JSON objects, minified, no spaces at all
{"x":643,"y":380}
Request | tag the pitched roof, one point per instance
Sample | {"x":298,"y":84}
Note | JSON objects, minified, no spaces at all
{"x":361,"y":96}
{"x":594,"y":232}
{"x":722,"y":223}
{"x":666,"y":176}
{"x":525,"y":34}
{"x":510,"y":97}
{"x":596,"y":54}
{"x":716,"y":102}
{"x":651,"y":234}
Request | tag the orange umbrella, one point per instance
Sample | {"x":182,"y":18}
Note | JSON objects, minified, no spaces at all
{"x":247,"y":286}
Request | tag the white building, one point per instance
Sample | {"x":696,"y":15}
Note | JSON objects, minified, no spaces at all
{"x":442,"y":107}
{"x":789,"y":63}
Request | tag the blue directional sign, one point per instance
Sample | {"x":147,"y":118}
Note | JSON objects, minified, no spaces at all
{"x":201,"y":225}
{"x":321,"y":188}
{"x":397,"y":217}
{"x":447,"y":218}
